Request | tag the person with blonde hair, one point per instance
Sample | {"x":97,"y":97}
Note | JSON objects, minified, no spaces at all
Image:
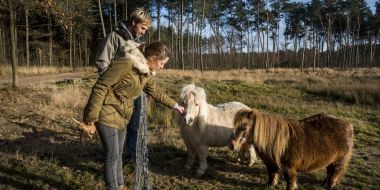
{"x":138,"y":23}
{"x":110,"y":105}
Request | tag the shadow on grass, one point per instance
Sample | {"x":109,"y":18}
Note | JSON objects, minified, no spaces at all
{"x":169,"y":161}
{"x":55,"y":148}
{"x":20,"y":180}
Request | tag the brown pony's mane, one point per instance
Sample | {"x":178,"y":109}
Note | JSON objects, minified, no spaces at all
{"x":270,"y":133}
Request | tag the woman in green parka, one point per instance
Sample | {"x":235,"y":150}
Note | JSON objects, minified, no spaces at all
{"x":110,"y":105}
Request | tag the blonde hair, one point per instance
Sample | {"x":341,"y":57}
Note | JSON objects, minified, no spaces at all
{"x":139,"y":15}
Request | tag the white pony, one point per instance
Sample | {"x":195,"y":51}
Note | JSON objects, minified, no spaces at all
{"x":203,"y":125}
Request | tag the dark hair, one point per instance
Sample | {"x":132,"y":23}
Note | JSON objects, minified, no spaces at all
{"x":158,"y":49}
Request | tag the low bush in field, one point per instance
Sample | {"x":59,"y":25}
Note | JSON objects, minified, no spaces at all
{"x":365,"y":94}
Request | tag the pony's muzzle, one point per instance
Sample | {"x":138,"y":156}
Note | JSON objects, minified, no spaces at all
{"x":189,"y":121}
{"x":236,"y":145}
{"x":232,"y":145}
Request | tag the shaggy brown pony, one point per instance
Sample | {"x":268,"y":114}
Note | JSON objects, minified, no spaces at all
{"x":320,"y":141}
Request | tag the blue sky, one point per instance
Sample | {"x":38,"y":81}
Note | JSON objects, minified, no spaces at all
{"x":371,"y":4}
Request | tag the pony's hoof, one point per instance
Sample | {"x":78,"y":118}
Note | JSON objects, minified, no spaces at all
{"x":251,"y":163}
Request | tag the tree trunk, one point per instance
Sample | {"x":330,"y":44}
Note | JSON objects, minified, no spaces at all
{"x":75,"y":62}
{"x":27,"y":36}
{"x":80,"y":53}
{"x":114,"y":12}
{"x":267,"y":43}
{"x":330,"y":21}
{"x":188,"y":40}
{"x":315,"y":48}
{"x":126,"y":9}
{"x":248,"y":52}
{"x":295,"y":50}
{"x":192,"y":35}
{"x":259,"y":33}
{"x":101,"y":18}
{"x":303,"y":51}
{"x":86,"y":50}
{"x":39,"y":56}
{"x":347,"y":60}
{"x":16,"y":37}
{"x":274,"y":41}
{"x":177,"y":39}
{"x":197,"y":51}
{"x":4,"y":53}
{"x":71,"y":46}
{"x":159,"y":20}
{"x":12,"y":26}
{"x":1,"y":44}
{"x":171,"y":31}
{"x":220,"y":48}
{"x":110,"y":21}
{"x":254,"y":65}
{"x":50,"y":41}
{"x":278,"y":39}
{"x":358,"y":44}
{"x":200,"y":35}
{"x":181,"y":35}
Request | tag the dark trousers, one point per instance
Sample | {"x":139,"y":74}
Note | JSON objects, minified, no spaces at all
{"x":113,"y":142}
{"x":132,"y":130}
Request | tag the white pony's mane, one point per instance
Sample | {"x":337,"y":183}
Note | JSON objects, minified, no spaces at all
{"x":200,"y":97}
{"x":199,"y":92}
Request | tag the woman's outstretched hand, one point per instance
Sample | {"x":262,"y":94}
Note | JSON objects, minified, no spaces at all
{"x":179,"y":108}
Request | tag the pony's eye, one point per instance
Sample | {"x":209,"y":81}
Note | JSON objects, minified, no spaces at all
{"x":196,"y":104}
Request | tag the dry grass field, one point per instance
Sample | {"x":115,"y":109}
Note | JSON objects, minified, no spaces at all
{"x":40,"y":145}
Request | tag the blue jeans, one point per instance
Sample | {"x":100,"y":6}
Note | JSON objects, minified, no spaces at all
{"x":113,"y":142}
{"x":132,"y":129}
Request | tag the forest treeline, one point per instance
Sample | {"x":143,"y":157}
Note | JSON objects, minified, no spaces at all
{"x":202,"y":34}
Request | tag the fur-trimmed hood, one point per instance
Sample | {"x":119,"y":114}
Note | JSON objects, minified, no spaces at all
{"x":131,"y":51}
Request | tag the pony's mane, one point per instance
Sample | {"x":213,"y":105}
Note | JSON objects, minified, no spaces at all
{"x":199,"y":92}
{"x":272,"y":133}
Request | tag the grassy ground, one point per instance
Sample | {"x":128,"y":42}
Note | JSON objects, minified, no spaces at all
{"x":6,"y":70}
{"x":40,"y":146}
